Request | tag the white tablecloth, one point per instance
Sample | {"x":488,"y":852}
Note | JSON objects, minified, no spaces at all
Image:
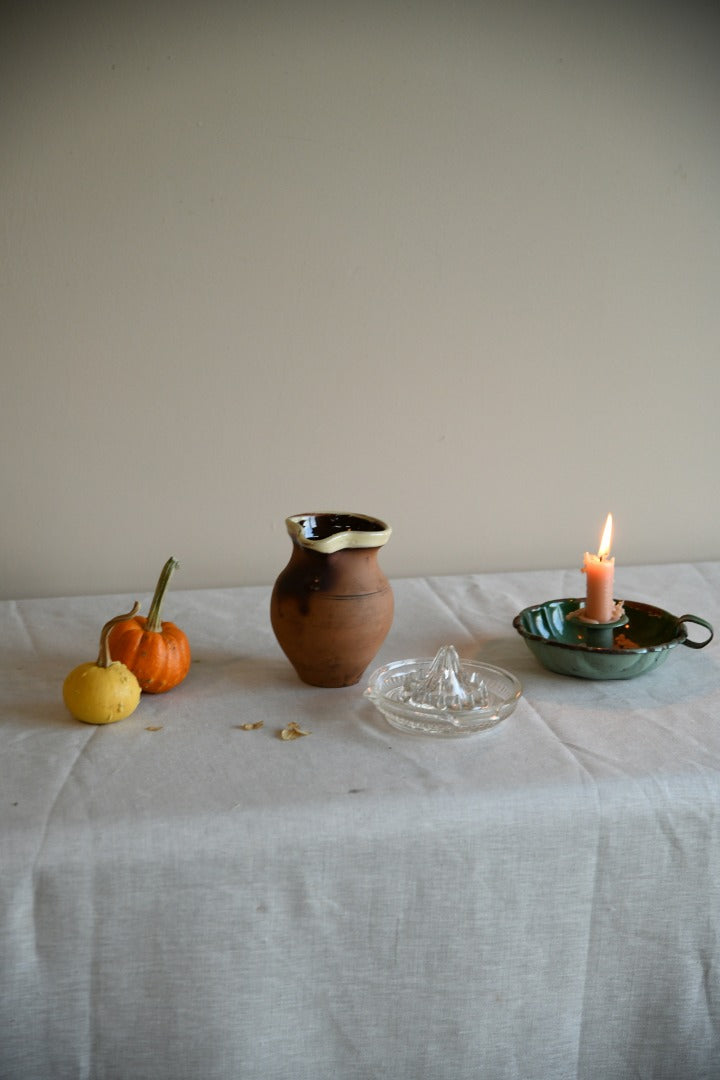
{"x":183,"y":899}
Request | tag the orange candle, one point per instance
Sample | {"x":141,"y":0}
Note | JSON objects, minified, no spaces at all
{"x":600,"y":570}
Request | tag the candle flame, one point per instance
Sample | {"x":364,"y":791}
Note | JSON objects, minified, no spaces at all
{"x":606,"y":540}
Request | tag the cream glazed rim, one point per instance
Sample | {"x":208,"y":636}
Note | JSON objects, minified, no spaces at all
{"x":347,"y":530}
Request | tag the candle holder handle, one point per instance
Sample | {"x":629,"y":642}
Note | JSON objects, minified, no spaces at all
{"x":700,"y":622}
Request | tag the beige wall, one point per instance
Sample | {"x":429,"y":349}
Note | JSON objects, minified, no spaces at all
{"x":453,"y":264}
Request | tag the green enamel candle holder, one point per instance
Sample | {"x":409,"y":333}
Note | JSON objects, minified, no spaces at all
{"x":627,"y":647}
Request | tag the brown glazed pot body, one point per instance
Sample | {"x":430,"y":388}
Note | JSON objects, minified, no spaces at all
{"x":331,"y":611}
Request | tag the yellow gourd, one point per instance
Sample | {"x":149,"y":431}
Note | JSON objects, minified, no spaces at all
{"x":103,"y":691}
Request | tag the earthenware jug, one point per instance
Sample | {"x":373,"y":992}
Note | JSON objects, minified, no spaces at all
{"x":332,"y":606}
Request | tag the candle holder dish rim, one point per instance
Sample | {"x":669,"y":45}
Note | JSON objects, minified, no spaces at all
{"x":640,"y":642}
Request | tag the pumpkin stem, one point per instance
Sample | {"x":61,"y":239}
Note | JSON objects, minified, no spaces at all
{"x":104,"y":658}
{"x":153,"y":618}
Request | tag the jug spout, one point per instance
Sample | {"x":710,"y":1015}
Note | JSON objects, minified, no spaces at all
{"x":332,"y":531}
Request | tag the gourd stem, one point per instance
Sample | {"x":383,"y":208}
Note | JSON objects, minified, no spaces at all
{"x":153,"y":618}
{"x":104,"y":658}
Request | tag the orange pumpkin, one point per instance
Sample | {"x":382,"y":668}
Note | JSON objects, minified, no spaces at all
{"x":157,"y":653}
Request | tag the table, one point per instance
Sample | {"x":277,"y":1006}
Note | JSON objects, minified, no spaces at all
{"x":182,"y":898}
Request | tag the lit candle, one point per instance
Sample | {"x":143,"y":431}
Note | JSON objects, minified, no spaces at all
{"x":600,"y":570}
